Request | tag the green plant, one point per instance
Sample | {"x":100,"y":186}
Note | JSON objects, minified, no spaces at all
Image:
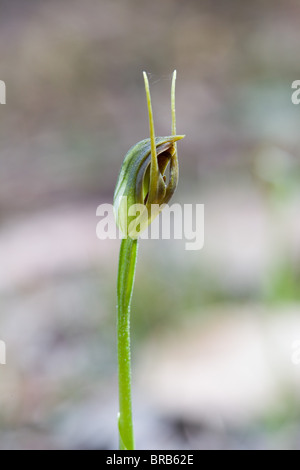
{"x":142,"y":185}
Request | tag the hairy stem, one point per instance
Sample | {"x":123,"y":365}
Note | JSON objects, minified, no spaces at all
{"x":127,"y":264}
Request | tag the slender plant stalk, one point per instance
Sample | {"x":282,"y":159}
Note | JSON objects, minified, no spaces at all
{"x":141,"y":181}
{"x":127,"y":264}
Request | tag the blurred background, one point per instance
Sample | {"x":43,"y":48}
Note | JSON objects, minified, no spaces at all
{"x":214,"y":332}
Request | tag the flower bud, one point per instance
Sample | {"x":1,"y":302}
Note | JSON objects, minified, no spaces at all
{"x":142,"y":182}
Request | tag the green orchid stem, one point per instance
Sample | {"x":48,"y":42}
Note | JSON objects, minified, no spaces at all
{"x":126,"y":274}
